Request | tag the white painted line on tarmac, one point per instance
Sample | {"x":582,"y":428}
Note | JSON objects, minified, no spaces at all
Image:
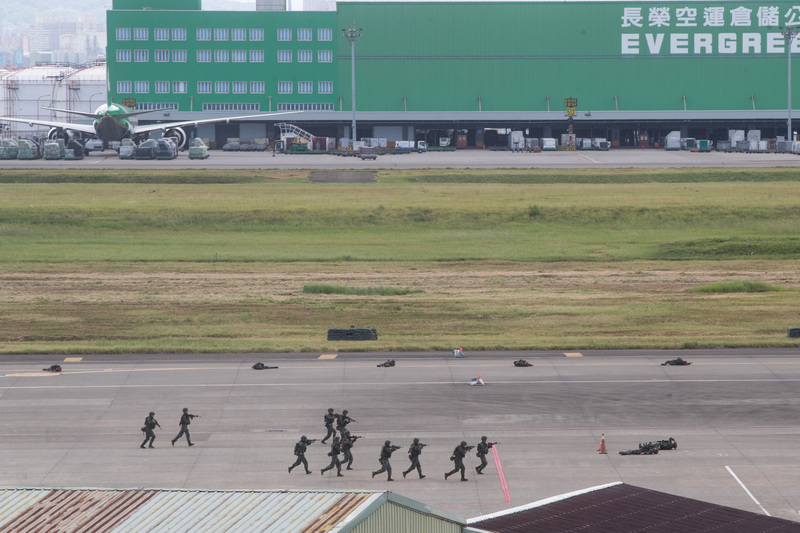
{"x":739,"y":481}
{"x":73,"y":359}
{"x":31,"y":375}
{"x":573,"y":354}
{"x":328,"y":356}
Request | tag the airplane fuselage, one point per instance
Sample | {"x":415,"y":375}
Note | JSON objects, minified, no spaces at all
{"x":108,"y":126}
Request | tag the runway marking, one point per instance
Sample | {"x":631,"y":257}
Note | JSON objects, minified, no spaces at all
{"x":328,"y":356}
{"x":502,"y":476}
{"x":573,"y":354}
{"x":32,"y":374}
{"x":73,"y":359}
{"x":395,"y":383}
{"x":587,"y":157}
{"x":747,"y":491}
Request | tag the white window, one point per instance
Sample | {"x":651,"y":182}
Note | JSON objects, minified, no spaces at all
{"x":161,"y":56}
{"x":303,"y":34}
{"x":141,"y":87}
{"x":221,"y":87}
{"x":324,"y":34}
{"x":325,"y":87}
{"x":284,"y":87}
{"x":178,"y":34}
{"x":257,"y":87}
{"x":239,"y":87}
{"x":179,"y":56}
{"x":284,"y":34}
{"x":204,"y":56}
{"x":162,"y":87}
{"x":161,"y":34}
{"x":221,"y":56}
{"x":123,"y":56}
{"x":256,"y":56}
{"x":284,"y":56}
{"x":123,"y":87}
{"x":325,"y":56}
{"x":256,"y":34}
{"x":203,"y":87}
{"x":141,"y":56}
{"x":304,"y":56}
{"x":220,"y":34}
{"x":123,"y":34}
{"x":239,"y":56}
{"x":180,"y":86}
{"x":140,"y":34}
{"x":239,"y":34}
{"x":305,"y":87}
{"x":203,"y":34}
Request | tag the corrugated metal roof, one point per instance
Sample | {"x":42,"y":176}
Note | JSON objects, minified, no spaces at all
{"x":176,"y":511}
{"x":626,"y":509}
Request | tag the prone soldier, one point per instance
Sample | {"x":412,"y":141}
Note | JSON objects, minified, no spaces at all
{"x":459,"y":453}
{"x":186,"y":419}
{"x":334,"y":455}
{"x":300,"y":452}
{"x":414,"y":452}
{"x":329,"y":419}
{"x":150,"y":424}
{"x":483,"y":449}
{"x":386,"y":453}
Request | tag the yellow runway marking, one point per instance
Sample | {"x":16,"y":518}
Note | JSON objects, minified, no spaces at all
{"x":328,"y":356}
{"x":73,"y":359}
{"x":32,"y":375}
{"x":573,"y":354}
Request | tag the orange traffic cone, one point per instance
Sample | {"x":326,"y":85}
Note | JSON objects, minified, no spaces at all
{"x":602,"y":448}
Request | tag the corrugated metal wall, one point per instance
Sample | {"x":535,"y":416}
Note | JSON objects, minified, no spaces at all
{"x":512,"y":56}
{"x":393,"y":518}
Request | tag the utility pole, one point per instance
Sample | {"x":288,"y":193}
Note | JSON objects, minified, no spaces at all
{"x":353,"y":35}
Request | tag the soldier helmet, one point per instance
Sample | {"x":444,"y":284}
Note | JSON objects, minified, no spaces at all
{"x":345,"y":411}
{"x":416,"y":440}
{"x":330,"y":410}
{"x":388,"y":442}
{"x":346,"y":432}
{"x":152,"y":413}
{"x":463,"y":443}
{"x":484,"y":437}
{"x":335,"y":439}
{"x":185,"y":409}
{"x":303,"y":438}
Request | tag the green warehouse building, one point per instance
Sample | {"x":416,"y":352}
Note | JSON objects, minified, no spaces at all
{"x":471,"y":71}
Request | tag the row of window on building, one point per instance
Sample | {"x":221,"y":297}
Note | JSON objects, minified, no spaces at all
{"x":222,"y":87}
{"x":221,"y":34}
{"x":234,"y":106}
{"x":221,"y":56}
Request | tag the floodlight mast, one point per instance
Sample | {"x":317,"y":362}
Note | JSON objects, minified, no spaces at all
{"x":353,"y":35}
{"x":789,"y":33}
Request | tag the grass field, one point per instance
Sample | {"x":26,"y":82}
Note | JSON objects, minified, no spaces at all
{"x":245,"y":261}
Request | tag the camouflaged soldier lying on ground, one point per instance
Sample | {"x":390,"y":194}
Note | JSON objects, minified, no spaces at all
{"x":676,"y":362}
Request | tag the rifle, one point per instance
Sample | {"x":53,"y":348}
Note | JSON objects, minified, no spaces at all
{"x":354,"y":437}
{"x":421,"y":445}
{"x":311,"y":441}
{"x":468,"y":448}
{"x":394,"y":448}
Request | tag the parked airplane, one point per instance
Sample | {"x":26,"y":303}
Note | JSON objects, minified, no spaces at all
{"x":112,"y":122}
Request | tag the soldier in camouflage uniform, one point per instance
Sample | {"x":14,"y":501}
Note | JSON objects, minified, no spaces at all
{"x":300,"y":452}
{"x":386,"y":454}
{"x":334,"y":455}
{"x":483,"y":449}
{"x":414,"y":452}
{"x":459,"y":453}
{"x":329,"y":420}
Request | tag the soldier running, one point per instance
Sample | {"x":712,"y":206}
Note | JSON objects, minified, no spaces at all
{"x":186,"y":419}
{"x":346,"y":444}
{"x":483,"y":449}
{"x":386,"y":454}
{"x":341,"y":422}
{"x":300,"y":452}
{"x":329,"y":419}
{"x":334,"y":455}
{"x":459,"y":453}
{"x":414,"y":452}
{"x":150,"y":424}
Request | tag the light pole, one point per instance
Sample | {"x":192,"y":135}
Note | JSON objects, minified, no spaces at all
{"x":353,"y":35}
{"x":789,"y":32}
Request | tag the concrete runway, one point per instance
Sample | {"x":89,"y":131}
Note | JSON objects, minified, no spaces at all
{"x":733,"y":412}
{"x":477,"y":159}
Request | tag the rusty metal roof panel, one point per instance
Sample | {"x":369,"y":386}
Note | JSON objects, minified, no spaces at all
{"x":177,"y":511}
{"x":625,"y":508}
